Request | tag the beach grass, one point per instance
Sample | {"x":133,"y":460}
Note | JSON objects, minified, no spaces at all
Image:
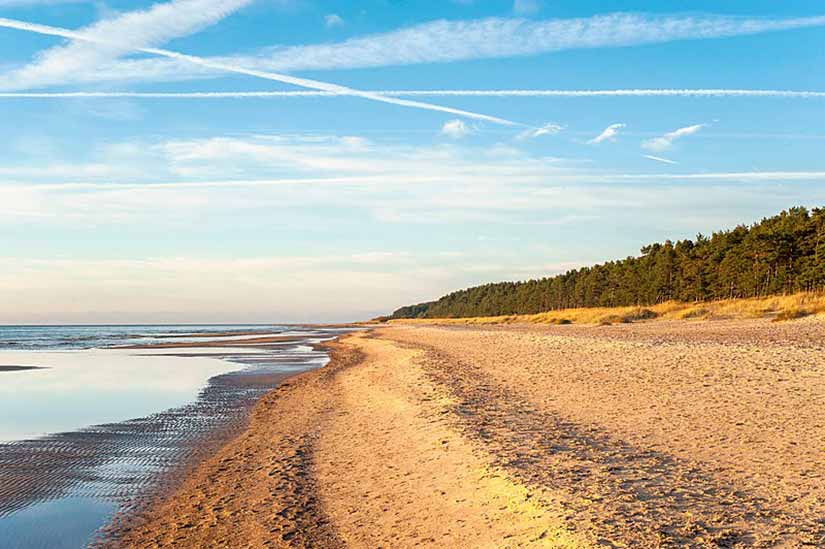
{"x":778,"y":308}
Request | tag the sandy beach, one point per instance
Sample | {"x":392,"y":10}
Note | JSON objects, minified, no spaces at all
{"x":670,"y":433}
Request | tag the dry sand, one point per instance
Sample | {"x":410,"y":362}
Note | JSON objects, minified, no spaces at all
{"x":707,"y":434}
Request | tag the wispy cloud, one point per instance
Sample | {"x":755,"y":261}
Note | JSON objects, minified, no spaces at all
{"x":111,"y":38}
{"x":660,"y":159}
{"x":456,"y":129}
{"x":665,"y":142}
{"x":448,"y":41}
{"x":328,"y":161}
{"x":263,"y":159}
{"x":266,"y":75}
{"x":283,"y":286}
{"x":608,"y":134}
{"x":333,"y":20}
{"x":550,"y":128}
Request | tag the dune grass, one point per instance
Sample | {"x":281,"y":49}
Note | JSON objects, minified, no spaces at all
{"x":778,"y":308}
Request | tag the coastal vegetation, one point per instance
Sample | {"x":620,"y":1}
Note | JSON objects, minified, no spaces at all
{"x":779,"y":308}
{"x":783,"y":255}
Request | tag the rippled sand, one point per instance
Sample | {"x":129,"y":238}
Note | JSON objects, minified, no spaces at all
{"x":75,"y":480}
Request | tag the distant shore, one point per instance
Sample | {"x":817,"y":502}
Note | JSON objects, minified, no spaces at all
{"x":647,"y":434}
{"x":19,"y":368}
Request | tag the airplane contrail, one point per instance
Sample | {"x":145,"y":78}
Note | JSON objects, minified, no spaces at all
{"x":710,"y":92}
{"x":666,"y":92}
{"x":296,"y":81}
{"x":659,"y":159}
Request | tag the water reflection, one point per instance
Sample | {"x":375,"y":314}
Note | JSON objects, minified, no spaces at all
{"x":119,"y":420}
{"x":73,"y":389}
{"x":66,"y":523}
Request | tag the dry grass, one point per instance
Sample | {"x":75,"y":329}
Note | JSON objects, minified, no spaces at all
{"x":779,"y":308}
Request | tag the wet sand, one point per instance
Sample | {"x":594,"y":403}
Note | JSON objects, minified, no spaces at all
{"x":706,"y":434}
{"x":125,"y":466}
{"x":261,"y":340}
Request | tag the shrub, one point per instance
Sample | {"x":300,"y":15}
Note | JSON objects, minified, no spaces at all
{"x":700,"y":312}
{"x":790,"y":314}
{"x":642,"y":314}
{"x":615,"y":319}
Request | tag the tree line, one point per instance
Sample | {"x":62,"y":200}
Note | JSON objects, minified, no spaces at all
{"x":780,"y":254}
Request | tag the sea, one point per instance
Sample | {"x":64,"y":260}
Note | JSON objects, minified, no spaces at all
{"x":105,"y":336}
{"x":90,"y":426}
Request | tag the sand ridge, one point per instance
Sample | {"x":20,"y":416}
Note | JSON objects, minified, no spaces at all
{"x":392,"y":472}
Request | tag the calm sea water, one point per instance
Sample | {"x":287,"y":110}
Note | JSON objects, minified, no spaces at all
{"x":87,"y":337}
{"x":94,"y":426}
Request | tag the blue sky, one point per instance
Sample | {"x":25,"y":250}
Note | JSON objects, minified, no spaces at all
{"x":117,"y":205}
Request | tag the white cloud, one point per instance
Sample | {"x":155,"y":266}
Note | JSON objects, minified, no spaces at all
{"x":349,"y":283}
{"x":660,"y":159}
{"x":333,"y":20}
{"x":526,"y":7}
{"x":665,"y":142}
{"x":608,"y":134}
{"x":341,"y":179}
{"x":109,"y":41}
{"x":181,"y":289}
{"x":456,"y":129}
{"x":448,"y":41}
{"x":548,"y":129}
{"x":271,"y":160}
{"x":117,"y":36}
{"x":315,"y":160}
{"x":279,"y":288}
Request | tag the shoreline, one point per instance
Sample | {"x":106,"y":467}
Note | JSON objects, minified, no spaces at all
{"x":169,"y":481}
{"x":124,"y":466}
{"x":558,"y":436}
{"x":134,"y":527}
{"x":173,"y":479}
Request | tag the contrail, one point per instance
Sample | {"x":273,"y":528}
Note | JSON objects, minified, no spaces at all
{"x":789,"y":94}
{"x":301,"y":82}
{"x":659,"y":159}
{"x":701,"y":92}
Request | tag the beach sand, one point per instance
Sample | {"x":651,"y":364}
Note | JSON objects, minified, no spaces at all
{"x":707,"y":434}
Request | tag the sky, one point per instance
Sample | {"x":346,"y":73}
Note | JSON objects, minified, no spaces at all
{"x":319,"y":161}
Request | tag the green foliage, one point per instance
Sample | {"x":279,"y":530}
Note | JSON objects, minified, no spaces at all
{"x":780,"y":254}
{"x":413,"y":311}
